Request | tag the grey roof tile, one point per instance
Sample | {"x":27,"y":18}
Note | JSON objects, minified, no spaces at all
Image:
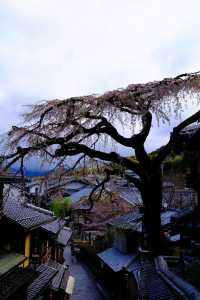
{"x":26,"y":217}
{"x":61,"y":278}
{"x":42,"y":281}
{"x":153,"y":285}
{"x":115,"y":259}
{"x":54,"y":226}
{"x":64,"y":236}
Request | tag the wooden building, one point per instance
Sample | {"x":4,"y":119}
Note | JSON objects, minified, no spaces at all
{"x":31,"y":257}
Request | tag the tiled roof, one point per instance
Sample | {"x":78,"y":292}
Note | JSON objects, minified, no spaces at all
{"x":115,"y":259}
{"x":54,"y":226}
{"x":61,"y":278}
{"x":153,"y":287}
{"x":41,"y":282}
{"x":28,"y":218}
{"x":64,"y":236}
{"x":52,"y":275}
{"x":156,"y":282}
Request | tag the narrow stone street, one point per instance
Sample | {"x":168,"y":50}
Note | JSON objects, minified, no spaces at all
{"x":85,"y":285}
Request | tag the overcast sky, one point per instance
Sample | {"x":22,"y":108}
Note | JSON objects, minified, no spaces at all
{"x":60,"y":48}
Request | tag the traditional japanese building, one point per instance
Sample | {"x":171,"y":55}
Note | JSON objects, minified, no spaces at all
{"x":31,"y":263}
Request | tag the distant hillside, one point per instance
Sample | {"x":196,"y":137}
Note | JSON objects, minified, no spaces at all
{"x":32,"y":173}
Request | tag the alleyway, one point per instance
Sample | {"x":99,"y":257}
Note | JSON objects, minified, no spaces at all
{"x":85,"y":286}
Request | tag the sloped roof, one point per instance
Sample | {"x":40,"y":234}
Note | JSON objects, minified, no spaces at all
{"x":46,"y":273}
{"x":26,"y":217}
{"x":156,"y":282}
{"x":54,"y":226}
{"x":153,"y":286}
{"x":115,"y":259}
{"x":60,"y":280}
{"x":52,"y":275}
{"x":64,"y":236}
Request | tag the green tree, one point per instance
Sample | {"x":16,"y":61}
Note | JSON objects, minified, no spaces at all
{"x":61,"y":206}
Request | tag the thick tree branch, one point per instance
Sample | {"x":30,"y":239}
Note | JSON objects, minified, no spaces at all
{"x":142,"y":157}
{"x":106,"y":127}
{"x":140,"y":139}
{"x":165,"y":151}
{"x":74,"y":149}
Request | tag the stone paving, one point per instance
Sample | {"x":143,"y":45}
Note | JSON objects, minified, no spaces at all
{"x":85,"y":285}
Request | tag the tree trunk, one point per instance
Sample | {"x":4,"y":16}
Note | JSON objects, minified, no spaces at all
{"x":1,"y":196}
{"x":152,"y":200}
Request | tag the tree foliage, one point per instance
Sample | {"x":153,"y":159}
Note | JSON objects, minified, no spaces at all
{"x":61,"y":206}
